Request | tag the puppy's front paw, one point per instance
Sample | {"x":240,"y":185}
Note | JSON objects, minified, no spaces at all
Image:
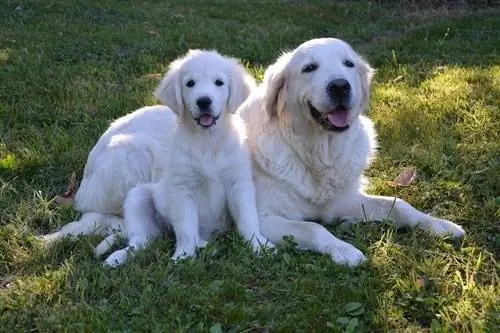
{"x":181,"y":254}
{"x":118,"y":258}
{"x":443,"y":227}
{"x":348,"y":255}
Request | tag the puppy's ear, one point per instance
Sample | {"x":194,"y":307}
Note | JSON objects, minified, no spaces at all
{"x":241,"y":86}
{"x":169,"y":91}
{"x":366,"y":72}
{"x":274,"y":82}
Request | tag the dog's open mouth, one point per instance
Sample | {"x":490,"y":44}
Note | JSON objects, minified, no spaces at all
{"x":206,"y":120}
{"x":335,"y":120}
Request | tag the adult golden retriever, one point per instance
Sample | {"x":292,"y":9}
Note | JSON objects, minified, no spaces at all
{"x":310,"y":145}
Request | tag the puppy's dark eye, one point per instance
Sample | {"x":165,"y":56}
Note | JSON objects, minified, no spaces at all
{"x":219,"y":83}
{"x":309,"y":68}
{"x":348,"y":63}
{"x":190,"y":84}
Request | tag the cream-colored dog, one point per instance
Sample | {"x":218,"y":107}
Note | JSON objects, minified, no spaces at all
{"x":206,"y":89}
{"x":310,"y":145}
{"x":207,"y":178}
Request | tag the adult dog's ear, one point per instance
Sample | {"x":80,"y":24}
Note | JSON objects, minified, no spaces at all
{"x":169,"y":90}
{"x":240,"y":87}
{"x":366,"y":72}
{"x":274,"y":82}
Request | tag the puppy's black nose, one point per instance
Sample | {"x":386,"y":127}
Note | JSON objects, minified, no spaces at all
{"x":339,"y":90}
{"x":204,"y":103}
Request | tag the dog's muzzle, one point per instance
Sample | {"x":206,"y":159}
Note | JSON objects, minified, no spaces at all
{"x":337,"y":119}
{"x":206,"y":119}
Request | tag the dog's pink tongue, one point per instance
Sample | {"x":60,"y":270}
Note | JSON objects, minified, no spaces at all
{"x":206,"y":120}
{"x":338,"y":118}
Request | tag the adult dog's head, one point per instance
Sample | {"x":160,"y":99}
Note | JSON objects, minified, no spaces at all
{"x":322,"y":84}
{"x":203,"y":85}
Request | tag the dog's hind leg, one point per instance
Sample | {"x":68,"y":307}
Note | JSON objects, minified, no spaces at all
{"x":140,"y":226}
{"x":372,"y":207}
{"x":89,"y":223}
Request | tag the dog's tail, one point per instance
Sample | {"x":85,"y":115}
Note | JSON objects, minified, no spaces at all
{"x":89,"y":224}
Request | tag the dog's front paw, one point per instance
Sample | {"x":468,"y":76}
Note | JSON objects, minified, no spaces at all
{"x":348,"y":255}
{"x":443,"y":227}
{"x":181,"y":254}
{"x":118,"y":258}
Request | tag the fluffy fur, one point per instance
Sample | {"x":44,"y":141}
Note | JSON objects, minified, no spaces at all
{"x":127,"y":154}
{"x":207,"y":180}
{"x":310,"y":145}
{"x":135,"y":148}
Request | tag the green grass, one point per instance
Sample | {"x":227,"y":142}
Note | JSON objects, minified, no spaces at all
{"x":67,"y":68}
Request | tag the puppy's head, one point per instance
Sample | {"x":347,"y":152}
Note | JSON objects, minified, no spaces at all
{"x":203,"y":85}
{"x":323,"y":82}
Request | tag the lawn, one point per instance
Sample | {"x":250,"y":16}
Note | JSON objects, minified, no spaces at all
{"x":67,"y":68}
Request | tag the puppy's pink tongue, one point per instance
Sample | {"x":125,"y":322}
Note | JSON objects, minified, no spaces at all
{"x":338,"y":118}
{"x":206,"y":120}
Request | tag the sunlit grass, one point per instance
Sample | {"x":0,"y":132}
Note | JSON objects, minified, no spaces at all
{"x":67,"y":69}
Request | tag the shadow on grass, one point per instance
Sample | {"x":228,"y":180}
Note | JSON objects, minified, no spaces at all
{"x":230,"y":287}
{"x":66,"y":287}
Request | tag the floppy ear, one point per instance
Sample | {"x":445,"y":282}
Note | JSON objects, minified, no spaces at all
{"x":366,"y":73}
{"x":241,"y":86}
{"x":274,"y":82}
{"x":169,"y":89}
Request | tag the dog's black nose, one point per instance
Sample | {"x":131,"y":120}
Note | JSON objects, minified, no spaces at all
{"x":204,"y":102}
{"x":339,"y":89}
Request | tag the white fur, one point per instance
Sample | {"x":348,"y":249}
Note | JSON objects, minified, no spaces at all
{"x":207,"y":177}
{"x":126,"y":154}
{"x":303,"y":171}
{"x":135,"y":148}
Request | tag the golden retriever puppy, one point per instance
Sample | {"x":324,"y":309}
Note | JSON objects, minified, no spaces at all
{"x":207,"y":178}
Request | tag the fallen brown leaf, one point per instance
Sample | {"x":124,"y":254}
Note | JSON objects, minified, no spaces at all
{"x":405,"y":178}
{"x":67,"y":197}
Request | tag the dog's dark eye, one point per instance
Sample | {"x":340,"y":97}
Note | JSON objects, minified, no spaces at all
{"x":348,"y":63}
{"x":219,"y":83}
{"x":309,"y":68}
{"x":190,"y":84}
